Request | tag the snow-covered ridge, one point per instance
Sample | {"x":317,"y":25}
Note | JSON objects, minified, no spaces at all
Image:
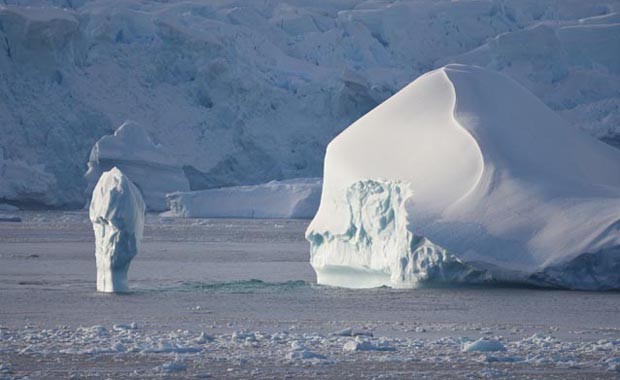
{"x":247,"y":92}
{"x":502,"y":190}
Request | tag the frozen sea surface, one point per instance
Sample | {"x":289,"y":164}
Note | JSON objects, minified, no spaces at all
{"x":216,"y":298}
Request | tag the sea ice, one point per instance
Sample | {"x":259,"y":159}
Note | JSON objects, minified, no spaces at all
{"x":174,"y":366}
{"x":465,"y":177}
{"x":300,"y":352}
{"x":365,"y":344}
{"x":10,"y":218}
{"x":117,"y":213}
{"x":484,"y":345}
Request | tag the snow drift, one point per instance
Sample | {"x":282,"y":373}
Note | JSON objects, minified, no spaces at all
{"x":146,"y":164}
{"x":465,"y":176}
{"x":295,"y":198}
{"x":117,"y":213}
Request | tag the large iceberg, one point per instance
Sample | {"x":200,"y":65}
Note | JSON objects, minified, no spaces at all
{"x":147,"y":164}
{"x":294,"y":198}
{"x":117,"y":214}
{"x":464,"y":176}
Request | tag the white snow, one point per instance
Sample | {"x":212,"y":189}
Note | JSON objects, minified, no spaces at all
{"x":117,"y":213}
{"x":295,"y":198}
{"x":245,"y":92}
{"x":465,"y":176}
{"x":146,"y":164}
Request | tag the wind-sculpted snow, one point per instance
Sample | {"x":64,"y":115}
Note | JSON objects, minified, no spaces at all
{"x":117,"y":213}
{"x":247,"y":92}
{"x":480,"y":183}
{"x":146,"y":164}
{"x":295,"y":198}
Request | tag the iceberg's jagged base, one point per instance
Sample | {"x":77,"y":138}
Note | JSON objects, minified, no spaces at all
{"x":114,"y":252}
{"x":377,"y":248}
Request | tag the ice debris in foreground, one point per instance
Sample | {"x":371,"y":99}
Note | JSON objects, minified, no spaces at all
{"x":484,"y":345}
{"x":117,"y":213}
{"x":177,"y":350}
{"x":465,"y":177}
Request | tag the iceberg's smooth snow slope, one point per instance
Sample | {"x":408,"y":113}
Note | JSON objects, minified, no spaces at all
{"x":148,"y":165}
{"x":501,"y":190}
{"x":117,"y":213}
{"x":295,"y":198}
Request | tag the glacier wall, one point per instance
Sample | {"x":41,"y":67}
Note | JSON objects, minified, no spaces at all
{"x":246,"y":92}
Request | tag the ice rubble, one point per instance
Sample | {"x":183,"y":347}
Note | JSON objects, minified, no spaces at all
{"x":245,"y":92}
{"x":465,"y":177}
{"x":117,"y":213}
{"x":146,"y":164}
{"x":296,"y":198}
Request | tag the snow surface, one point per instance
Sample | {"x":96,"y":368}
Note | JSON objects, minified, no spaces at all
{"x":117,"y":214}
{"x":295,"y":198}
{"x":146,"y":164}
{"x":465,"y":176}
{"x":246,"y":92}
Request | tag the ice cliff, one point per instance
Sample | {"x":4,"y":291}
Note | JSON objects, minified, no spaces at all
{"x":117,"y":213}
{"x":294,"y":198}
{"x":464,"y":176}
{"x":152,"y":169}
{"x":244,"y":92}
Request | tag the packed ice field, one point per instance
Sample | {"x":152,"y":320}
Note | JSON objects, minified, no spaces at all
{"x":206,"y":302}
